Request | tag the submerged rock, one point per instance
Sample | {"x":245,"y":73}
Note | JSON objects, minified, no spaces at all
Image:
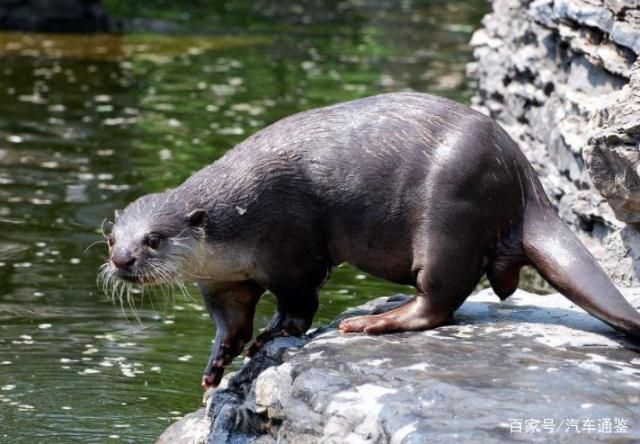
{"x":532,"y":368}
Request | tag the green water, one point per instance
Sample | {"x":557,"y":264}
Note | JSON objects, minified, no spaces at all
{"x":89,"y":123}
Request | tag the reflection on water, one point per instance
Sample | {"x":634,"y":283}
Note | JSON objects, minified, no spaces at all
{"x":117,"y":48}
{"x":88,"y":123}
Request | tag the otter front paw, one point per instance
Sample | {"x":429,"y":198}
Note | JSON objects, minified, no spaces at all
{"x":220,"y":358}
{"x":280,"y":325}
{"x":212,"y":378}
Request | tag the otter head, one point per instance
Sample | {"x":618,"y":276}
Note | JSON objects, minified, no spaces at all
{"x":154,"y":240}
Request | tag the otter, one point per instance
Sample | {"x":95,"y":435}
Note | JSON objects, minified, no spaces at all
{"x":409,"y":187}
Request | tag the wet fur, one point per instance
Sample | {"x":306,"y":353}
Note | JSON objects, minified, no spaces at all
{"x":409,"y":187}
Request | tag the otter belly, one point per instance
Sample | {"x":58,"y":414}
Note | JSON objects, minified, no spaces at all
{"x":377,"y":238}
{"x":390,"y":263}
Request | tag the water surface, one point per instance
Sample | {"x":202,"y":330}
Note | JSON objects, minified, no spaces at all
{"x":88,"y":123}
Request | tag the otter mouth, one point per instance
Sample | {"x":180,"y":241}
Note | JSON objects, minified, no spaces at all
{"x":134,"y":278}
{"x":142,"y":274}
{"x":129,"y":277}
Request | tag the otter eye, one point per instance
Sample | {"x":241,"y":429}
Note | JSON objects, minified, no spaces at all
{"x":152,"y":240}
{"x":111,"y":240}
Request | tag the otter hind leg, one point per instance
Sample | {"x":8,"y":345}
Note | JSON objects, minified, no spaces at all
{"x":416,"y":314}
{"x":443,"y":282}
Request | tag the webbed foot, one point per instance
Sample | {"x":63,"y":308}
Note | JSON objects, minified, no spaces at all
{"x":408,"y":316}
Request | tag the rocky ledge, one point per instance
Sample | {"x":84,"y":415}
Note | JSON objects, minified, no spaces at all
{"x":530,"y":369}
{"x":563,"y":77}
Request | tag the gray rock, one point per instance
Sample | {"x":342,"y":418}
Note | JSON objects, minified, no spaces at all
{"x":461,"y":383}
{"x":233,"y":412}
{"x":499,"y":367}
{"x":559,"y":75}
{"x":191,"y":429}
{"x":613,"y":154}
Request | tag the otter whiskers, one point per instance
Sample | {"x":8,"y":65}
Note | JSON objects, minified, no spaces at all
{"x":157,"y":274}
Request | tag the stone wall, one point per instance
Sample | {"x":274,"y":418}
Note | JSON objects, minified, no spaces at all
{"x":563,"y":77}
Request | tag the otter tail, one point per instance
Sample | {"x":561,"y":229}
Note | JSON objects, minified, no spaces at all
{"x":570,"y":268}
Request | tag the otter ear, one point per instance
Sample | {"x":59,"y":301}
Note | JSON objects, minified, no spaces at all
{"x":196,"y":217}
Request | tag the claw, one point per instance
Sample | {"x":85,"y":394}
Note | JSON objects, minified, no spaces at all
{"x":221,"y":357}
{"x":212,"y":378}
{"x":214,"y":374}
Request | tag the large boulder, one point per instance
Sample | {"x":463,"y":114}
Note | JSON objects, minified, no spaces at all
{"x":532,"y":368}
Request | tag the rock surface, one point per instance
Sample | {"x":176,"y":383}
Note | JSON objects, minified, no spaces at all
{"x":562,"y":77}
{"x":530,"y":362}
{"x":191,"y":429}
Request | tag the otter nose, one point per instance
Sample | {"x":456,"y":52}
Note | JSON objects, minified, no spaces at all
{"x":123,"y":260}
